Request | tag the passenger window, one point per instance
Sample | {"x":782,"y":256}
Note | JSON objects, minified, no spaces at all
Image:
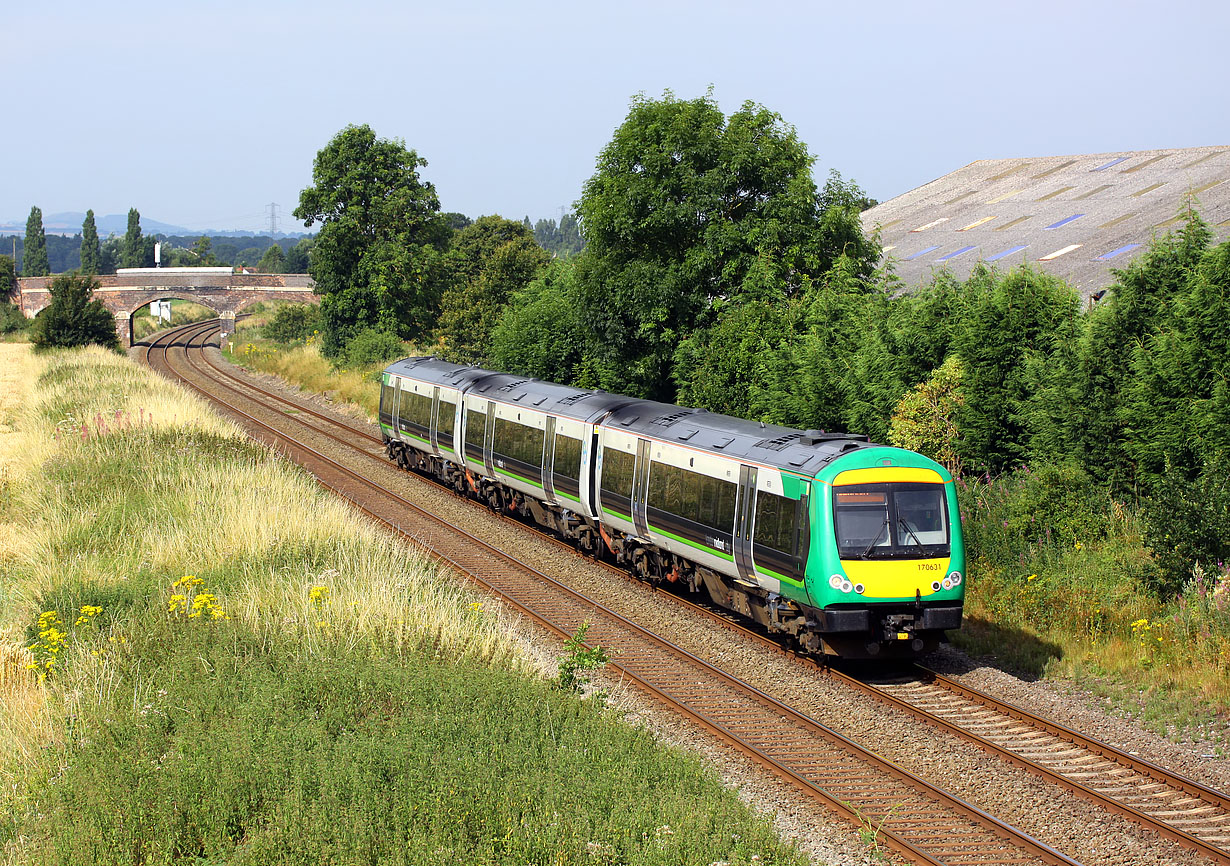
{"x":617,"y":471}
{"x":476,"y":423}
{"x":567,"y":456}
{"x":725,"y":505}
{"x":445,"y":417}
{"x":775,"y":519}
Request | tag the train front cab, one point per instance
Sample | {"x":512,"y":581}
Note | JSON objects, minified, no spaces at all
{"x":889,"y":579}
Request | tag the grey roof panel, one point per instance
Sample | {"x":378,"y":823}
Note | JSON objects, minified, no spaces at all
{"x":577,"y":403}
{"x":784,"y":447}
{"x":1027,"y":206}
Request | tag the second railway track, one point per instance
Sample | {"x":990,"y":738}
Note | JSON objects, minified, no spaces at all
{"x":1190,"y":816}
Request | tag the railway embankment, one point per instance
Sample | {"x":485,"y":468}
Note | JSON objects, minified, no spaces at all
{"x":205,"y":656}
{"x":1060,"y":575}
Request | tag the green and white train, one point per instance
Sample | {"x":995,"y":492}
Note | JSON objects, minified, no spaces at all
{"x":850,"y":548}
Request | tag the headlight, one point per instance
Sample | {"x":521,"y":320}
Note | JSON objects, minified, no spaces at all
{"x":846,"y":586}
{"x":935,"y":586}
{"x":835,"y":581}
{"x":955,"y":577}
{"x":858,"y":587}
{"x":948,"y":583}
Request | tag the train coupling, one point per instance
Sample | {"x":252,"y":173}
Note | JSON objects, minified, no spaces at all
{"x":897,"y":628}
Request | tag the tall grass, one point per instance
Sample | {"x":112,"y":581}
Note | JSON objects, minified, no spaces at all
{"x":205,"y":657}
{"x":302,"y":365}
{"x":1063,"y":583}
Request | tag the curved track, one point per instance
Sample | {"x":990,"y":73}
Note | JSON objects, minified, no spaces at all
{"x":914,"y":817}
{"x":1177,"y":808}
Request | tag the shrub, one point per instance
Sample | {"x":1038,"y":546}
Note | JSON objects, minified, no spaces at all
{"x":373,"y":347}
{"x":293,"y":323}
{"x":74,"y":317}
{"x":11,"y":318}
{"x":1188,"y":523}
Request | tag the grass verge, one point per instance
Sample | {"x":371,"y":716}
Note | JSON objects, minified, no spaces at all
{"x":302,"y":365}
{"x":205,"y":658}
{"x":1062,"y":585}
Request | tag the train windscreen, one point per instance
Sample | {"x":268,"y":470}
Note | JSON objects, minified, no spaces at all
{"x":892,"y":520}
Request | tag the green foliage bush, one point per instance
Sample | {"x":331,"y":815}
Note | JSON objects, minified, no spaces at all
{"x":1051,"y":551}
{"x":74,"y":317}
{"x":1189,"y":522}
{"x":539,"y":332}
{"x":11,"y":318}
{"x":293,"y":323}
{"x":373,"y":347}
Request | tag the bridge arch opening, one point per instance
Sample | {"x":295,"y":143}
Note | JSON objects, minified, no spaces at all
{"x":184,"y":309}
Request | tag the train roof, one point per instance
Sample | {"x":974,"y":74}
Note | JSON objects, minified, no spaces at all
{"x":577,"y":403}
{"x":803,"y":451}
{"x":436,"y":371}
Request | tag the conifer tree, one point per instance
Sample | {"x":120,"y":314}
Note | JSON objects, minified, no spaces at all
{"x":1141,"y":305}
{"x":34,"y":255}
{"x":273,"y":261}
{"x":8,"y":277}
{"x":91,"y":252}
{"x":74,"y":317}
{"x":134,"y":247}
{"x":1019,"y":316}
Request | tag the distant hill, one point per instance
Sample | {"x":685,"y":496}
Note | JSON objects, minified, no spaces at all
{"x":69,"y":223}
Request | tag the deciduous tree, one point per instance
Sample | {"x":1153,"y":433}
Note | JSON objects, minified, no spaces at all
{"x":273,"y":261}
{"x":539,"y":332}
{"x":74,"y":317}
{"x":492,"y":259}
{"x":376,"y":261}
{"x":684,"y":202}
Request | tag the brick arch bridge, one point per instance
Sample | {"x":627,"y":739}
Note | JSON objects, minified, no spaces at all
{"x":219,"y":289}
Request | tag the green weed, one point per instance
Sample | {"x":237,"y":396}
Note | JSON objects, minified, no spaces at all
{"x":579,"y":659}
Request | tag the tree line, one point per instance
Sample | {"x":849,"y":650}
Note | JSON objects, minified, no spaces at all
{"x":40,"y":254}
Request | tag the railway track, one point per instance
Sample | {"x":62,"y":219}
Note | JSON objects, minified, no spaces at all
{"x":909,"y":815}
{"x":1191,"y":814}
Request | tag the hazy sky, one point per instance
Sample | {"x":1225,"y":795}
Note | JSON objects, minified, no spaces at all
{"x":202,"y":114}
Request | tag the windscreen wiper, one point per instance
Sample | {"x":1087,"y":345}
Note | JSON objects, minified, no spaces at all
{"x":866,"y":553}
{"x":917,"y":542}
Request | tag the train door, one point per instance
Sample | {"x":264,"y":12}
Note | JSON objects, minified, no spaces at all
{"x":589,"y":471}
{"x":640,"y":487}
{"x":745,"y":518}
{"x":435,"y":415}
{"x":548,"y":460}
{"x":488,"y":437}
{"x":397,"y":397}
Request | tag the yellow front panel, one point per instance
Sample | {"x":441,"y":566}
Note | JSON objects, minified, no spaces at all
{"x":886,"y":475}
{"x":901,"y":578}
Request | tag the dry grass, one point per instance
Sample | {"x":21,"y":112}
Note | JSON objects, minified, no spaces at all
{"x":304,"y":367}
{"x":96,"y":494}
{"x":22,"y":723}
